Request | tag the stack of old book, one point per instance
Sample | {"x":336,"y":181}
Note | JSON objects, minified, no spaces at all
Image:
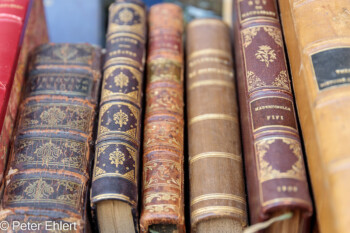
{"x":178,"y":126}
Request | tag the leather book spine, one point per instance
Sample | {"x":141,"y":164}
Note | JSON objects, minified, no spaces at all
{"x":163,"y":151}
{"x":317,"y":36}
{"x":13,"y":19}
{"x":116,"y":165}
{"x":35,"y":34}
{"x":274,"y":162}
{"x":215,"y":159}
{"x":49,"y":164}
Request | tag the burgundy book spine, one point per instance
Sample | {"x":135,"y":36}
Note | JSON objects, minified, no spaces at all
{"x":274,"y":162}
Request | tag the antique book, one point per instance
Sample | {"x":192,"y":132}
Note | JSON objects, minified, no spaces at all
{"x":317,"y":35}
{"x":49,"y":163}
{"x":116,"y":168}
{"x":34,"y":33}
{"x":163,"y":151}
{"x":274,"y":163}
{"x":217,"y":191}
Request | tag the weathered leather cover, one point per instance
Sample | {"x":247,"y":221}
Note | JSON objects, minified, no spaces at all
{"x":317,"y":35}
{"x":49,"y":164}
{"x":119,"y":129}
{"x":163,"y":152}
{"x":35,"y":33}
{"x":215,"y":157}
{"x":274,"y":162}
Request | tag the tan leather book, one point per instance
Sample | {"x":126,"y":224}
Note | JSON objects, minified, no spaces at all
{"x":317,"y":35}
{"x":274,"y":162}
{"x":217,"y":193}
{"x":163,"y":151}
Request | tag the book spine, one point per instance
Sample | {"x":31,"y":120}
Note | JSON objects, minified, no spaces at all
{"x":163,"y":172}
{"x":317,"y":37}
{"x":49,"y":164}
{"x":13,"y":18}
{"x":119,"y":127}
{"x":35,"y":34}
{"x":275,"y":170}
{"x":215,"y":158}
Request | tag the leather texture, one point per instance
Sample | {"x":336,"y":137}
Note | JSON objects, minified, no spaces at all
{"x":215,"y":157}
{"x":35,"y":33}
{"x":13,"y":21}
{"x":49,"y":164}
{"x":163,"y":152}
{"x":274,"y":161}
{"x":116,"y":165}
{"x":317,"y":36}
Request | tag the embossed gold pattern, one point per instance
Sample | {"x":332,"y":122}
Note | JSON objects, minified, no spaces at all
{"x":248,"y":35}
{"x":48,"y":152}
{"x":45,"y":190}
{"x":254,"y":81}
{"x":125,"y":17}
{"x":161,"y":196}
{"x":282,"y":80}
{"x":117,"y":157}
{"x":39,"y":190}
{"x":266,"y":54}
{"x":64,"y":115}
{"x":160,"y":208}
{"x":275,"y":33}
{"x":267,"y":171}
{"x":120,"y":118}
{"x":122,"y":159}
{"x":121,"y":80}
{"x":53,"y":116}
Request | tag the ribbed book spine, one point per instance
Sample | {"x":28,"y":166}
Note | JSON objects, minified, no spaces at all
{"x":119,"y":127}
{"x":163,"y":174}
{"x":274,"y":162}
{"x":215,"y":158}
{"x":49,"y":165}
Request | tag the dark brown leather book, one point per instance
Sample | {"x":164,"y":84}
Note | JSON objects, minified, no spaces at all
{"x":215,"y":160}
{"x":116,"y":167}
{"x":163,"y":152}
{"x":274,"y":162}
{"x":49,"y":164}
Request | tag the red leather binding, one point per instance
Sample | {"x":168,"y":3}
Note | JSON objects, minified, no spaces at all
{"x":13,"y":18}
